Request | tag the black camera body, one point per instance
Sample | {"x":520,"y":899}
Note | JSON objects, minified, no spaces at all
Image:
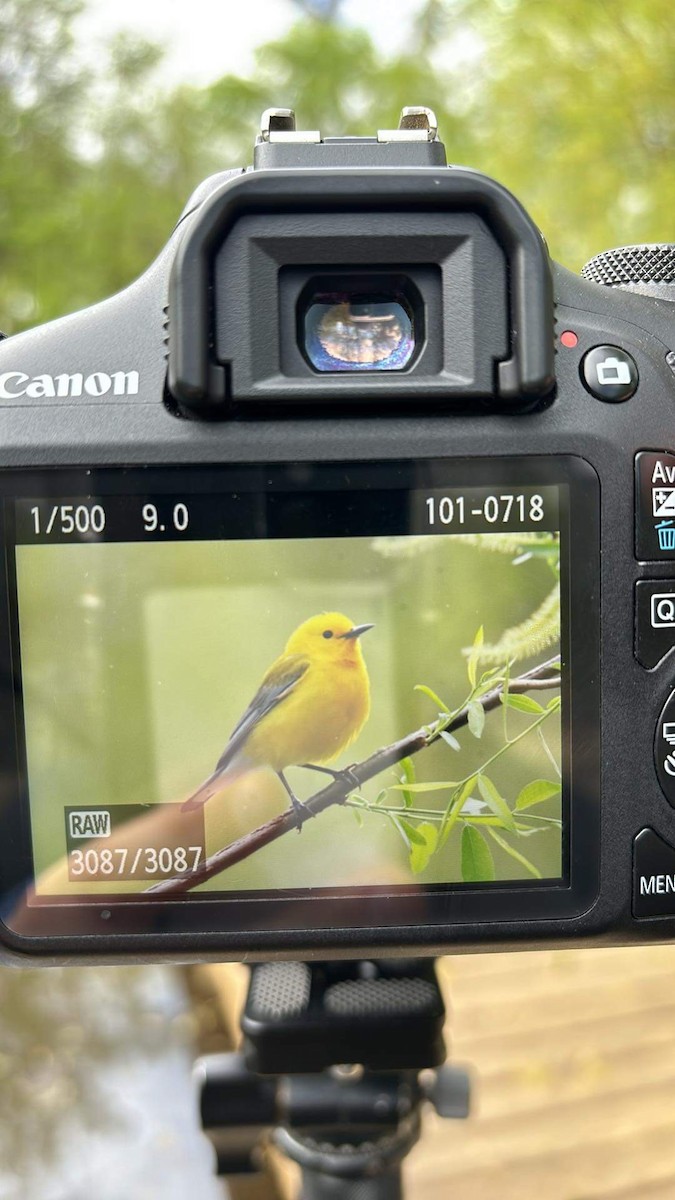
{"x":355,"y":349}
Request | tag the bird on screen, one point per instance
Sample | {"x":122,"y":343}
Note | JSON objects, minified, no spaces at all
{"x":311,"y":705}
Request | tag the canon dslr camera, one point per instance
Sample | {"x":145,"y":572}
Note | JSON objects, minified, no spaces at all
{"x":338,"y":601}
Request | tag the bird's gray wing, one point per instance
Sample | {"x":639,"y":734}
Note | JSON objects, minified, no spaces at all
{"x":278,"y":683}
{"x":282,"y":678}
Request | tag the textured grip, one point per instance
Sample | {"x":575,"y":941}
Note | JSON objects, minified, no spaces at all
{"x":633,"y":265}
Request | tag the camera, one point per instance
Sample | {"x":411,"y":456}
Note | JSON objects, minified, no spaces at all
{"x":338,"y":597}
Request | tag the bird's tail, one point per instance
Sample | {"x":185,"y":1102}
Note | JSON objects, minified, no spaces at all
{"x":210,"y":786}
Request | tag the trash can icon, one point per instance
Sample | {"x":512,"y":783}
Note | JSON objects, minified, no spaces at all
{"x":666,"y":534}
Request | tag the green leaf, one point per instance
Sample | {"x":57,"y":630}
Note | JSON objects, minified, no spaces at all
{"x":522,"y":703}
{"x":399,"y":826}
{"x":496,"y":802}
{"x":440,"y":705}
{"x":476,"y":715}
{"x":408,"y":776}
{"x":420,"y":854}
{"x":451,"y":741}
{"x":472,"y":665}
{"x":535,"y":793}
{"x":412,"y":833}
{"x":477,"y":862}
{"x":495,"y":674}
{"x":553,"y":704}
{"x":408,"y":767}
{"x":525,"y":862}
{"x":453,"y":810}
{"x":425,"y":787}
{"x":484,"y":819}
{"x":530,"y":830}
{"x":358,"y":816}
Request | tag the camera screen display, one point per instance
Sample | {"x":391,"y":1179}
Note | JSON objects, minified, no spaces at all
{"x":300,"y":681}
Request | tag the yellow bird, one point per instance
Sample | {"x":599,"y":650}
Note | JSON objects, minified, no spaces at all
{"x":311,"y":704}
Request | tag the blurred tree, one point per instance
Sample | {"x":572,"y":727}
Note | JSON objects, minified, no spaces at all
{"x":41,"y":89}
{"x":87,"y":162}
{"x":335,"y":78}
{"x":570,"y":106}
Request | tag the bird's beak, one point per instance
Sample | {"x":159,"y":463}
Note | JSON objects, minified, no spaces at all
{"x":356,"y":631}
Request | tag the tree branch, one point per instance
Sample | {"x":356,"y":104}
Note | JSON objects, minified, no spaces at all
{"x":546,"y":675}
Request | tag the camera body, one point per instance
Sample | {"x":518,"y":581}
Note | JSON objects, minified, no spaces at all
{"x":209,"y":406}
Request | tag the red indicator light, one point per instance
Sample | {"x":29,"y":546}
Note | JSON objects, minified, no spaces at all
{"x":569,"y":338}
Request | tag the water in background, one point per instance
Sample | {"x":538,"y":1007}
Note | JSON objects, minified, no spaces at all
{"x":96,"y":1097}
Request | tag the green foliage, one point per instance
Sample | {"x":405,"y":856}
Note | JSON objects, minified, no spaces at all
{"x":408,"y":776}
{"x":535,"y":793}
{"x":96,"y":164}
{"x":522,"y":703}
{"x":92,"y":176}
{"x":533,"y":635}
{"x":476,"y":718}
{"x":572,"y":108}
{"x":425,"y":832}
{"x":541,"y":628}
{"x":422,"y":850}
{"x":496,"y":802}
{"x":477,"y":862}
{"x":513,"y":852}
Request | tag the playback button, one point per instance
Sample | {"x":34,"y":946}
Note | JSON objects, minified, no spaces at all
{"x":664,"y":749}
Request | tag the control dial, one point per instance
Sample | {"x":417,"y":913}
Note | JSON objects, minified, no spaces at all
{"x":649,"y":269}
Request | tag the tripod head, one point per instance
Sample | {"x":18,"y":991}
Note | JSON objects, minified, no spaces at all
{"x":337,"y":1060}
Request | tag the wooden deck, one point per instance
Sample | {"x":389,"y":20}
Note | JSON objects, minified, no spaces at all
{"x":573,"y":1061}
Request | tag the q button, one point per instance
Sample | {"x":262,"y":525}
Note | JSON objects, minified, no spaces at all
{"x":654,"y":620}
{"x":664,"y":749}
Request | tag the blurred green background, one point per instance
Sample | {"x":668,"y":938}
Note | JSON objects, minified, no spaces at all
{"x":163,"y":646}
{"x":570,"y":105}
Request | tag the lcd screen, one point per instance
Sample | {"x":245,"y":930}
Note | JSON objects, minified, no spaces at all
{"x":195,"y":663}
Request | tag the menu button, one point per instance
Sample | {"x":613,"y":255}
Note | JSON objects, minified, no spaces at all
{"x":653,"y":876}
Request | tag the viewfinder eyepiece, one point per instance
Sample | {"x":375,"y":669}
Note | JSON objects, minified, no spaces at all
{"x":357,"y":330}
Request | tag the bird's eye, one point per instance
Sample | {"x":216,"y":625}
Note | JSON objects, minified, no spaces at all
{"x":328,"y":633}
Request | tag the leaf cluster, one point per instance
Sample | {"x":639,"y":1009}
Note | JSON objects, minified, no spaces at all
{"x":481,"y":818}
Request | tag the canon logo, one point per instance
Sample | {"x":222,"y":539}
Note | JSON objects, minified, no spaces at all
{"x":15,"y":383}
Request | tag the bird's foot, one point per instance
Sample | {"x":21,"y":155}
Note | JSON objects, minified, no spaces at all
{"x":301,"y":811}
{"x":345,"y":775}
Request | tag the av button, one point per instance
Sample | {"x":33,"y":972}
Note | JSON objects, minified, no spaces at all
{"x":609,"y":373}
{"x":653,"y":876}
{"x":655,"y":505}
{"x":664,"y":749}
